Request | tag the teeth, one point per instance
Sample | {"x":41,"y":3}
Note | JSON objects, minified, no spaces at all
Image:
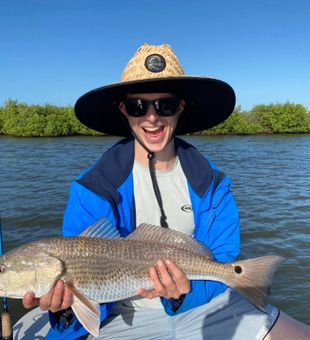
{"x":152,"y":129}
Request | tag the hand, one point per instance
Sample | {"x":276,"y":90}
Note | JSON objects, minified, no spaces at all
{"x":56,"y":299}
{"x":173,"y":281}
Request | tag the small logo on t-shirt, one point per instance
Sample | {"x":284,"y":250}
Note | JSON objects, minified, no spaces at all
{"x":187,"y":208}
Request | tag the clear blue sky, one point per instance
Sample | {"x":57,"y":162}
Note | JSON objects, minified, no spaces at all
{"x":53,"y":51}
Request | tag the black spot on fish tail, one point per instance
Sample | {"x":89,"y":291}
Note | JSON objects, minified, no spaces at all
{"x":238,"y":269}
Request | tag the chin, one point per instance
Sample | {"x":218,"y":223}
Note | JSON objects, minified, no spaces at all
{"x":156,"y":146}
{"x":153,"y":148}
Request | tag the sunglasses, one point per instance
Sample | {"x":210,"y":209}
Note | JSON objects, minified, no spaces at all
{"x":165,"y":107}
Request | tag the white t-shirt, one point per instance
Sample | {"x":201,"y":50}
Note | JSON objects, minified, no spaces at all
{"x":176,"y":203}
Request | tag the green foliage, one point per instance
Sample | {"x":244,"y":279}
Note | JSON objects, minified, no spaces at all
{"x":273,"y":118}
{"x":239,"y":123}
{"x":19,"y":119}
{"x":282,"y":118}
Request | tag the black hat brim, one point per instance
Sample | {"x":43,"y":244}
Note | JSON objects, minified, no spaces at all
{"x":208,"y":102}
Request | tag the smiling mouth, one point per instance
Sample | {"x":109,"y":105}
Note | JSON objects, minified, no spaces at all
{"x":153,"y":130}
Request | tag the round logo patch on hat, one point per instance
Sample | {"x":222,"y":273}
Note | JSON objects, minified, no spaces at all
{"x":155,"y":63}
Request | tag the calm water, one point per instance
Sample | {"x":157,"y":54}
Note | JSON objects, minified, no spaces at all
{"x":271,"y":179}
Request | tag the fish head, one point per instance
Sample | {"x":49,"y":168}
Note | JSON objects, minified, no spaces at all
{"x":28,"y":268}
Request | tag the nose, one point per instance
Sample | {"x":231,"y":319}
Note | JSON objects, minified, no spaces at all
{"x":151,"y":113}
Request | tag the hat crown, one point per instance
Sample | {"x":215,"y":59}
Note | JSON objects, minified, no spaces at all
{"x":151,"y":61}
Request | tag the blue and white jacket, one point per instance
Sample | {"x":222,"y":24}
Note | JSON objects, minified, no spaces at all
{"x":106,"y":189}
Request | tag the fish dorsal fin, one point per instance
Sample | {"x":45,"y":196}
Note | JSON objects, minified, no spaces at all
{"x":170,"y":237}
{"x":103,"y":228}
{"x":86,"y":311}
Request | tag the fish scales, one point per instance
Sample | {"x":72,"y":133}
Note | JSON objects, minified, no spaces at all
{"x":99,"y":270}
{"x":99,"y":267}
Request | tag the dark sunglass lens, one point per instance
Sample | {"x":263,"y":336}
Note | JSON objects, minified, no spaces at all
{"x":168,"y":106}
{"x":135,"y":107}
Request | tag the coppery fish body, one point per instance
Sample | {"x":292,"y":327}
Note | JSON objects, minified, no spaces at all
{"x":103,"y":270}
{"x":115,"y":269}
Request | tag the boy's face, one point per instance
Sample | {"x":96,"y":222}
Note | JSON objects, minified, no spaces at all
{"x":153,"y":130}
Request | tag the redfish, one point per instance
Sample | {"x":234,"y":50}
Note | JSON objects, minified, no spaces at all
{"x":99,"y":266}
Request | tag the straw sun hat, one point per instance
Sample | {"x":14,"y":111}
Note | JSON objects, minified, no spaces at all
{"x":156,"y":69}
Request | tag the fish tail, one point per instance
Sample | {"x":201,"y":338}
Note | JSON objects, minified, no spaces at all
{"x":252,"y":278}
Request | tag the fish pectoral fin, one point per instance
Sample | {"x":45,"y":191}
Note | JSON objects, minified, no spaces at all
{"x":89,"y":320}
{"x":87,"y":311}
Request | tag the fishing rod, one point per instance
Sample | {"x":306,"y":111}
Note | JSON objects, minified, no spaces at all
{"x":6,"y":325}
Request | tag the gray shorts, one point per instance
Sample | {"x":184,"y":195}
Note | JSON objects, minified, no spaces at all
{"x":228,"y":316}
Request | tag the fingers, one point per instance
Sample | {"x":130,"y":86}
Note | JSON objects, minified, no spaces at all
{"x":166,"y":285}
{"x":30,"y":301}
{"x":149,"y":294}
{"x":67,"y":300}
{"x":179,"y":277}
{"x":153,"y":293}
{"x":56,"y":299}
{"x":169,"y":281}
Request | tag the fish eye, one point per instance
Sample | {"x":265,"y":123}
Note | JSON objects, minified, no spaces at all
{"x":2,"y":268}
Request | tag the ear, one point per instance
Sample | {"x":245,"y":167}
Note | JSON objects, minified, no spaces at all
{"x":181,"y":105}
{"x":122,"y":108}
